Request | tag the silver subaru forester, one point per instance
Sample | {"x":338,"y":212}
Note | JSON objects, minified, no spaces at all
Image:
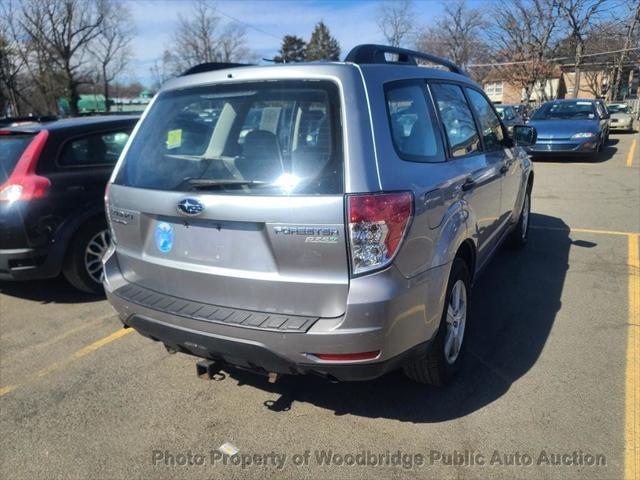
{"x":323,"y":218}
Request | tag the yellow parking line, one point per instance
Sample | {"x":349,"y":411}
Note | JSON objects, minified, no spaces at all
{"x":53,"y":340}
{"x":632,"y":371}
{"x":632,"y":151}
{"x":74,"y":356}
{"x":584,"y":230}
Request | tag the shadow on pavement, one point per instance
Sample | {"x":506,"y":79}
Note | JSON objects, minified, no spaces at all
{"x":515,"y":302}
{"x":55,"y":290}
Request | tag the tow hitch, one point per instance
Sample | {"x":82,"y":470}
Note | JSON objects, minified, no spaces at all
{"x":207,"y":369}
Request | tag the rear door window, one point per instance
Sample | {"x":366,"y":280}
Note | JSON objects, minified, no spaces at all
{"x":412,"y":122}
{"x":266,"y":138}
{"x":489,"y":122}
{"x":93,"y":150}
{"x":457,"y":119}
{"x":11,"y":148}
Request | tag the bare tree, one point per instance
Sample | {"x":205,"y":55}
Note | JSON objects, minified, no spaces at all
{"x":161,"y":71}
{"x":597,"y":73}
{"x":457,"y":34}
{"x":232,"y":44}
{"x":631,"y":36}
{"x":579,"y":15}
{"x":12,"y":65}
{"x":200,"y":38}
{"x":36,"y":77}
{"x":63,"y":29}
{"x":112,"y":47}
{"x":396,"y":21}
{"x":524,"y":32}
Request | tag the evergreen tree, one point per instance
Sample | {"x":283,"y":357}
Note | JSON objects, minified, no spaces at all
{"x":322,"y":45}
{"x":292,"y":50}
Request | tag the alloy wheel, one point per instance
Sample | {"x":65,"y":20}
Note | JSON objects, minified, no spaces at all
{"x":456,"y":322}
{"x":93,"y":254}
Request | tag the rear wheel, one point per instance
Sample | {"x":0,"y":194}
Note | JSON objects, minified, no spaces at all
{"x":83,"y":262}
{"x":441,"y":362}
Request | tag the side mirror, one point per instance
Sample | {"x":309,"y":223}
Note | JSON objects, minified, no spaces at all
{"x":524,"y":135}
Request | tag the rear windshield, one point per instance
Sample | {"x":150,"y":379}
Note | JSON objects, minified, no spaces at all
{"x":11,"y":147}
{"x":263,"y":138}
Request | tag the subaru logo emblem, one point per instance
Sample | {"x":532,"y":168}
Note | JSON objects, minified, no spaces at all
{"x":190,"y":206}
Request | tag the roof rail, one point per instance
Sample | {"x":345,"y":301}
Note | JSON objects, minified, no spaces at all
{"x":212,"y":66}
{"x":370,"y":53}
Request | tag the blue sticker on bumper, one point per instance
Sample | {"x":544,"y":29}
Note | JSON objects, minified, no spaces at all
{"x":164,"y":237}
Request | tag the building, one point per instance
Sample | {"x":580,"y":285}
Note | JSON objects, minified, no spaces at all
{"x":595,"y":82}
{"x":94,"y":103}
{"x":500,"y":90}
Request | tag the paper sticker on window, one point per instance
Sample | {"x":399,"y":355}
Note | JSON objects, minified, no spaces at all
{"x":174,"y":138}
{"x":583,"y":103}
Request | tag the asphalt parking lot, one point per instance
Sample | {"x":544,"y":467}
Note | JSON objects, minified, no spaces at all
{"x":553,"y":373}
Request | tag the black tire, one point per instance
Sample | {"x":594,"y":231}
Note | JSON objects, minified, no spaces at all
{"x":520,"y":234}
{"x":74,"y":268}
{"x":432,"y":367}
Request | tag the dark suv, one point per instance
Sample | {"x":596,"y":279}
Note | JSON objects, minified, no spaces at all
{"x":52,"y":181}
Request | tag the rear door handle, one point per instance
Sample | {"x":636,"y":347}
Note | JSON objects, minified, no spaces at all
{"x":469,"y":184}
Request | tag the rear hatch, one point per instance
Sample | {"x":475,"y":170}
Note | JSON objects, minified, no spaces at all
{"x":233,"y":195}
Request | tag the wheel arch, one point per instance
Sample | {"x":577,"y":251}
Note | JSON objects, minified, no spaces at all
{"x":467,"y":252}
{"x":530,"y":181}
{"x":72,"y":226}
{"x":65,"y":232}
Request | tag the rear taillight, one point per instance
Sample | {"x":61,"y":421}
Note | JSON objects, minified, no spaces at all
{"x":377,"y":225}
{"x":23,"y":184}
{"x":347,"y":357}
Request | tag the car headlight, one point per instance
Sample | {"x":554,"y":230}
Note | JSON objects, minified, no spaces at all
{"x":583,"y":135}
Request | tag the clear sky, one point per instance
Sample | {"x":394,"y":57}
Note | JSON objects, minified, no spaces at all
{"x":267,"y":21}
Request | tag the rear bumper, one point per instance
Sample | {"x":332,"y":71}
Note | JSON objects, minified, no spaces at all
{"x":385,"y":313}
{"x":258,"y":357}
{"x":24,"y":256}
{"x":28,"y":264}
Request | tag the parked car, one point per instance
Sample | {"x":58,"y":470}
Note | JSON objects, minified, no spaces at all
{"x":621,"y":117}
{"x":570,"y":127}
{"x":522,"y":110}
{"x":333,"y":240}
{"x":509,"y":116}
{"x":52,"y":181}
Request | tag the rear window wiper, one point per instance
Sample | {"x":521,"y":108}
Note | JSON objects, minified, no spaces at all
{"x":204,"y":183}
